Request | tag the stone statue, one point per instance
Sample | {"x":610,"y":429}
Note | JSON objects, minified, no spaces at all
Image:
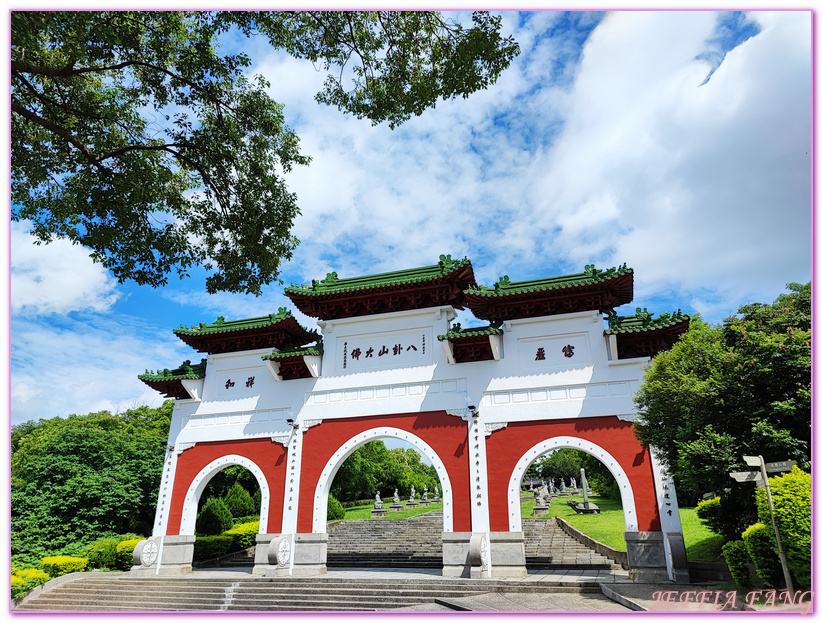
{"x":411,"y":497}
{"x":396,"y":498}
{"x":425,"y":493}
{"x":574,"y":483}
{"x":378,"y":503}
{"x":544,"y":494}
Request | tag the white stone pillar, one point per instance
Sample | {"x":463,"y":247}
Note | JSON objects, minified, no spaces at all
{"x":674,"y":547}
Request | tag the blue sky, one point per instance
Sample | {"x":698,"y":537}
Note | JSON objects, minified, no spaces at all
{"x":678,"y":143}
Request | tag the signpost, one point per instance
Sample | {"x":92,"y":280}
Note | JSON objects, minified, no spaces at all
{"x":762,"y":479}
{"x":748,"y":477}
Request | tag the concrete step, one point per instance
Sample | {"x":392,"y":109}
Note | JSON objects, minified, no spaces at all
{"x":120,"y":592}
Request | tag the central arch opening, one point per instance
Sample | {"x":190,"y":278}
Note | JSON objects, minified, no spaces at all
{"x":416,"y":505}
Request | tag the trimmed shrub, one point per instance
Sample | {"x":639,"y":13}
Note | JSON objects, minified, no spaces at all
{"x":243,"y":536}
{"x":708,"y":511}
{"x":239,"y":502}
{"x":56,"y":566}
{"x":23,"y":580}
{"x":102,"y":553}
{"x":762,"y":548}
{"x":257,"y":500}
{"x":737,"y":558}
{"x":213,"y":519}
{"x":792,"y":499}
{"x":125,"y":554}
{"x":335,"y":509}
{"x":208,"y":547}
{"x":236,"y":521}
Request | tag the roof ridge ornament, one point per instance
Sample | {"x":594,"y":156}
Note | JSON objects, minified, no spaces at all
{"x":503,"y":282}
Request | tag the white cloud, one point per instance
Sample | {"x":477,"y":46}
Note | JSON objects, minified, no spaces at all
{"x":710,"y":185}
{"x":56,"y":278}
{"x":85,"y":364}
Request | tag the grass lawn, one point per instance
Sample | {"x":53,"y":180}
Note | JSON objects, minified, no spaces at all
{"x":701,"y":543}
{"x":364,"y":512}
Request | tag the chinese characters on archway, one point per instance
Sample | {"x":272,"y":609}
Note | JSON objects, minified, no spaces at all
{"x":249,"y":382}
{"x":384,"y":352}
{"x":567,"y":350}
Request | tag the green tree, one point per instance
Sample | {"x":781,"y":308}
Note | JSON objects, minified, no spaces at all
{"x":223,"y":481}
{"x":214,"y":518}
{"x":239,"y":502}
{"x":372,"y":467}
{"x":81,"y":478}
{"x":133,"y":136}
{"x":722,"y":392}
{"x":561,"y":463}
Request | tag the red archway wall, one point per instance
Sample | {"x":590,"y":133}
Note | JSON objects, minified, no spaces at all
{"x":505,"y":447}
{"x":269,"y":456}
{"x":447,"y":435}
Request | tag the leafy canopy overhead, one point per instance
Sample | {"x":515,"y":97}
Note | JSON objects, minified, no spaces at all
{"x":133,"y":136}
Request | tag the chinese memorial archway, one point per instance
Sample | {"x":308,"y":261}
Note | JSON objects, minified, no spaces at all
{"x":482,"y":403}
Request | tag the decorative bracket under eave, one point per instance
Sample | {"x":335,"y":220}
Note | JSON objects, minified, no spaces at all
{"x":194,"y":388}
{"x":489,"y":428}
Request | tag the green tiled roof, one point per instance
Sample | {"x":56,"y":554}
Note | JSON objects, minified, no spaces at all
{"x":332,"y":284}
{"x":315,"y":349}
{"x":221,"y":325}
{"x":590,"y":276}
{"x":185,"y":371}
{"x":642,"y":321}
{"x":457,"y":332}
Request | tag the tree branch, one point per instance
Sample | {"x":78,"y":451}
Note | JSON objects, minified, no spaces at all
{"x":59,"y":131}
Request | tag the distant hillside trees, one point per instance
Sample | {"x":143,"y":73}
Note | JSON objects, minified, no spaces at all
{"x":373,"y":467}
{"x":80,"y":478}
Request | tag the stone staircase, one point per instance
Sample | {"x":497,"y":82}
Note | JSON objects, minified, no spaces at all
{"x":549,"y":547}
{"x":405,"y":543}
{"x":416,"y":543}
{"x":400,"y":543}
{"x":120,"y":592}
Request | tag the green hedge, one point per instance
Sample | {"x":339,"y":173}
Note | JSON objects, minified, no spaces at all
{"x":708,"y":511}
{"x":23,"y":580}
{"x":208,"y":547}
{"x":125,"y":554}
{"x":792,"y":498}
{"x":56,"y":566}
{"x":335,"y":509}
{"x":243,"y":536}
{"x":762,"y":548}
{"x":737,"y":558}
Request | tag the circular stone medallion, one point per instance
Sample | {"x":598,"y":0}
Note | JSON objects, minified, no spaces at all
{"x":283,"y":552}
{"x":148,"y":555}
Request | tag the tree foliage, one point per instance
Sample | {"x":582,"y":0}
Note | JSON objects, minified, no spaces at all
{"x":133,"y":136}
{"x":722,"y":392}
{"x":566,"y":463}
{"x":373,"y":467}
{"x":239,"y":502}
{"x":215,"y":518}
{"x":81,"y":478}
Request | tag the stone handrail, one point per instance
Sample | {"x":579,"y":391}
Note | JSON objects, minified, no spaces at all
{"x":619,"y":557}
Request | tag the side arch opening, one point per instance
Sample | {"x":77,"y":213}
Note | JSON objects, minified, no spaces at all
{"x":201,"y":480}
{"x":576,"y":443}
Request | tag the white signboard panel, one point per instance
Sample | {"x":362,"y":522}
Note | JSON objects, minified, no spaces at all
{"x":382,"y":351}
{"x":549,"y":354}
